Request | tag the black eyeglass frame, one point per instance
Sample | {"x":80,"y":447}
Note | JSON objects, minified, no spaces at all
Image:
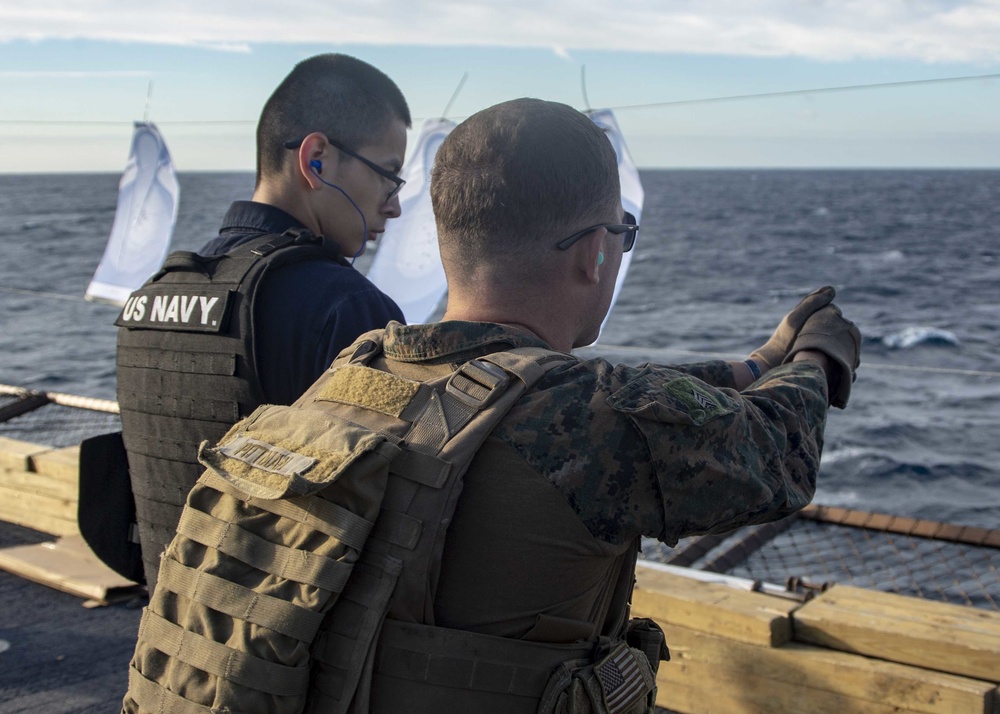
{"x":384,"y":173}
{"x":630,"y":228}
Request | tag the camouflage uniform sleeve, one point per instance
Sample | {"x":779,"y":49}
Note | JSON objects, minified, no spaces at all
{"x":717,"y":372}
{"x":722,"y":459}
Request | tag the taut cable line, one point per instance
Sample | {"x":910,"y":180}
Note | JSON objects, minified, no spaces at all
{"x":818,"y":90}
{"x":624,"y":107}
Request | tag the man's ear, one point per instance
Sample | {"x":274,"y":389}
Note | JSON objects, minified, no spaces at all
{"x":590,"y":256}
{"x":314,"y":158}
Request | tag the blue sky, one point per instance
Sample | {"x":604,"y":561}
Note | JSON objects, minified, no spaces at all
{"x":72,"y":80}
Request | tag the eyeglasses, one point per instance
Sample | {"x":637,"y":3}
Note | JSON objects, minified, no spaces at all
{"x":629,"y":228}
{"x":384,"y":173}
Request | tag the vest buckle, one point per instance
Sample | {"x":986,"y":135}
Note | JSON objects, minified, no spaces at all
{"x":477,"y":383}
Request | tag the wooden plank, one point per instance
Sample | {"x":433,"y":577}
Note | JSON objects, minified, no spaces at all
{"x":67,"y":564}
{"x":16,"y":454}
{"x":761,"y":696}
{"x":30,"y":482}
{"x":749,"y":696}
{"x":59,"y":463}
{"x":822,"y":680}
{"x":43,"y":513}
{"x":46,"y":524}
{"x":677,"y":696}
{"x":934,"y":635}
{"x":740,"y":615}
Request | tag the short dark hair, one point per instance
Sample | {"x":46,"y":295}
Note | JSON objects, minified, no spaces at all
{"x":347,"y":99}
{"x":516,"y":173}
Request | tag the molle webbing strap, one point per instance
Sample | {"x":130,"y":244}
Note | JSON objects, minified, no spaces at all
{"x":300,"y":236}
{"x":466,"y":660}
{"x":219,"y":363}
{"x":422,"y":468}
{"x":300,"y":566}
{"x":398,"y":529}
{"x":151,"y":697}
{"x":204,"y":407}
{"x":222,"y":661}
{"x":156,"y":451}
{"x":323,"y":516}
{"x":234,"y":600}
{"x":528,"y":363}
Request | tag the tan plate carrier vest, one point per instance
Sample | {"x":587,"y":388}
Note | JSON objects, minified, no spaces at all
{"x":314,"y":522}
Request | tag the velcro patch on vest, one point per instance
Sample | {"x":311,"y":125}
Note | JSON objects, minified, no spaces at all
{"x":182,"y":309}
{"x":369,"y":388}
{"x":267,"y":457}
{"x":279,"y":452}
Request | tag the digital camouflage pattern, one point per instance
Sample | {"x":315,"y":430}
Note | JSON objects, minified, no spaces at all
{"x":666,"y":452}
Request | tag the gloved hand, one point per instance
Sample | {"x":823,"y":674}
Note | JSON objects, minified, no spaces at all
{"x":829,"y":332}
{"x":775,"y":350}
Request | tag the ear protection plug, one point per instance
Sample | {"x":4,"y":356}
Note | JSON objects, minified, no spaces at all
{"x":600,"y":258}
{"x":316,"y":165}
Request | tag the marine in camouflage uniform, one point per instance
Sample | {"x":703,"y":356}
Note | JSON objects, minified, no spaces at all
{"x":596,"y":455}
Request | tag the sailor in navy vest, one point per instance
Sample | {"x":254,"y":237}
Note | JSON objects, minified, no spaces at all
{"x":262,"y":309}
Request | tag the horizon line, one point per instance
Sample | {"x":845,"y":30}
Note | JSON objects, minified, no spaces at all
{"x":109,"y":172}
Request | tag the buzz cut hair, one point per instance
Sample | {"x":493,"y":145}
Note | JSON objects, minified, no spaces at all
{"x":510,"y":177}
{"x":348,"y":100}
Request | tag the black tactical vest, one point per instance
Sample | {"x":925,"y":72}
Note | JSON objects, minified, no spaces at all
{"x":187,"y":369}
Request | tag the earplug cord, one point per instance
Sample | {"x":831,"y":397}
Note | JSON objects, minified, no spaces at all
{"x":364,"y":223}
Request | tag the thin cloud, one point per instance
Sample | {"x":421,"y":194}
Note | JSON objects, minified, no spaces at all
{"x":929,"y":30}
{"x":71,"y":74}
{"x":562,"y":53}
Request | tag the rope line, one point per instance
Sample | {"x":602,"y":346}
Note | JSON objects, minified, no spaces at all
{"x":43,"y":293}
{"x":63,"y":399}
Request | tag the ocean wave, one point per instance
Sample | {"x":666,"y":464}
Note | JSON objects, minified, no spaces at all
{"x":845,"y":453}
{"x":914,"y":336}
{"x":838,"y":498}
{"x":892,"y":256}
{"x":794,"y":292}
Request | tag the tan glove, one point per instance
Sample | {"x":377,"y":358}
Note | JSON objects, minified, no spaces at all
{"x":775,"y":350}
{"x":829,"y":332}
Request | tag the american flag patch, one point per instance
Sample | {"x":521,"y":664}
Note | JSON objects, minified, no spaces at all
{"x":621,"y":680}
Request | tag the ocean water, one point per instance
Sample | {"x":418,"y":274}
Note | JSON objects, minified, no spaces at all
{"x":722,"y":255}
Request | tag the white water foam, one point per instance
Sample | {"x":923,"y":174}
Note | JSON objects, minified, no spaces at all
{"x":913,"y":336}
